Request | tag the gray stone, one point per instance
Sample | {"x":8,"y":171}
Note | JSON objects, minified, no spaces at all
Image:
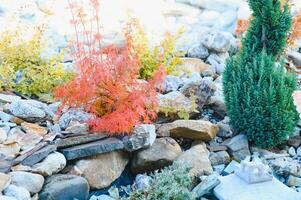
{"x":143,"y":136}
{"x":198,"y":51}
{"x":52,"y":164}
{"x":285,"y":166}
{"x":216,"y":41}
{"x":5,"y":163}
{"x":73,"y":115}
{"x":202,"y":89}
{"x":294,"y":141}
{"x":218,"y":158}
{"x":77,"y":140}
{"x":238,"y":146}
{"x":224,"y":129}
{"x":268,"y":155}
{"x":93,"y":148}
{"x":31,"y":182}
{"x":234,"y":188}
{"x":28,"y":153}
{"x":162,"y":153}
{"x":206,"y":185}
{"x":142,"y":181}
{"x":30,"y":110}
{"x":65,"y":187}
{"x":39,"y":155}
{"x":231,"y":167}
{"x":6,"y":98}
{"x":219,"y":168}
{"x":20,"y":193}
{"x":171,"y":83}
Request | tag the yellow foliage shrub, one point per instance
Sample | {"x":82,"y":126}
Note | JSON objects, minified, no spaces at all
{"x":162,"y":55}
{"x":23,"y":69}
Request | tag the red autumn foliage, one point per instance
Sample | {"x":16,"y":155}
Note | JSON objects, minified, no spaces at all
{"x":106,"y":83}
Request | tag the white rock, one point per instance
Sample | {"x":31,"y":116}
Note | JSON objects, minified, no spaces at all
{"x":20,"y":193}
{"x":292,"y":151}
{"x":32,"y":182}
{"x":52,"y":164}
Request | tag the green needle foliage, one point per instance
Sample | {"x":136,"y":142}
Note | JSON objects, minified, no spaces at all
{"x":257,"y":90}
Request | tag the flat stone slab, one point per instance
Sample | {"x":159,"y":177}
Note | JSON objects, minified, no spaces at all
{"x":234,"y":188}
{"x":93,"y":148}
{"x":39,"y":155}
{"x":77,"y":140}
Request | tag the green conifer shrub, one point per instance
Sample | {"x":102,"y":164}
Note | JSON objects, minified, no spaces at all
{"x":257,"y":90}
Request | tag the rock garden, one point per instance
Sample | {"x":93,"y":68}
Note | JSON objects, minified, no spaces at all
{"x":201,"y":100}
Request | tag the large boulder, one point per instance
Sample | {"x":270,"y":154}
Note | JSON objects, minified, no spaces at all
{"x":103,"y":169}
{"x":162,"y":153}
{"x":197,"y":157}
{"x":32,"y":182}
{"x":191,"y":129}
{"x":65,"y":187}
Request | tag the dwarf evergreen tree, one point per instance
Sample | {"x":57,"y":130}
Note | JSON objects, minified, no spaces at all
{"x":257,"y":90}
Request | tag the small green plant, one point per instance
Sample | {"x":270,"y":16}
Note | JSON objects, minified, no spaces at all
{"x":172,"y":183}
{"x":162,"y":55}
{"x":257,"y":90}
{"x":23,"y":69}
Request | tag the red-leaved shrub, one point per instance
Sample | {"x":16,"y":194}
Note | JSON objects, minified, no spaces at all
{"x":106,"y":83}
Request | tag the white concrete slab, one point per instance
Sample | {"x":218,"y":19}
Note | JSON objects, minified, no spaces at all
{"x":234,"y":188}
